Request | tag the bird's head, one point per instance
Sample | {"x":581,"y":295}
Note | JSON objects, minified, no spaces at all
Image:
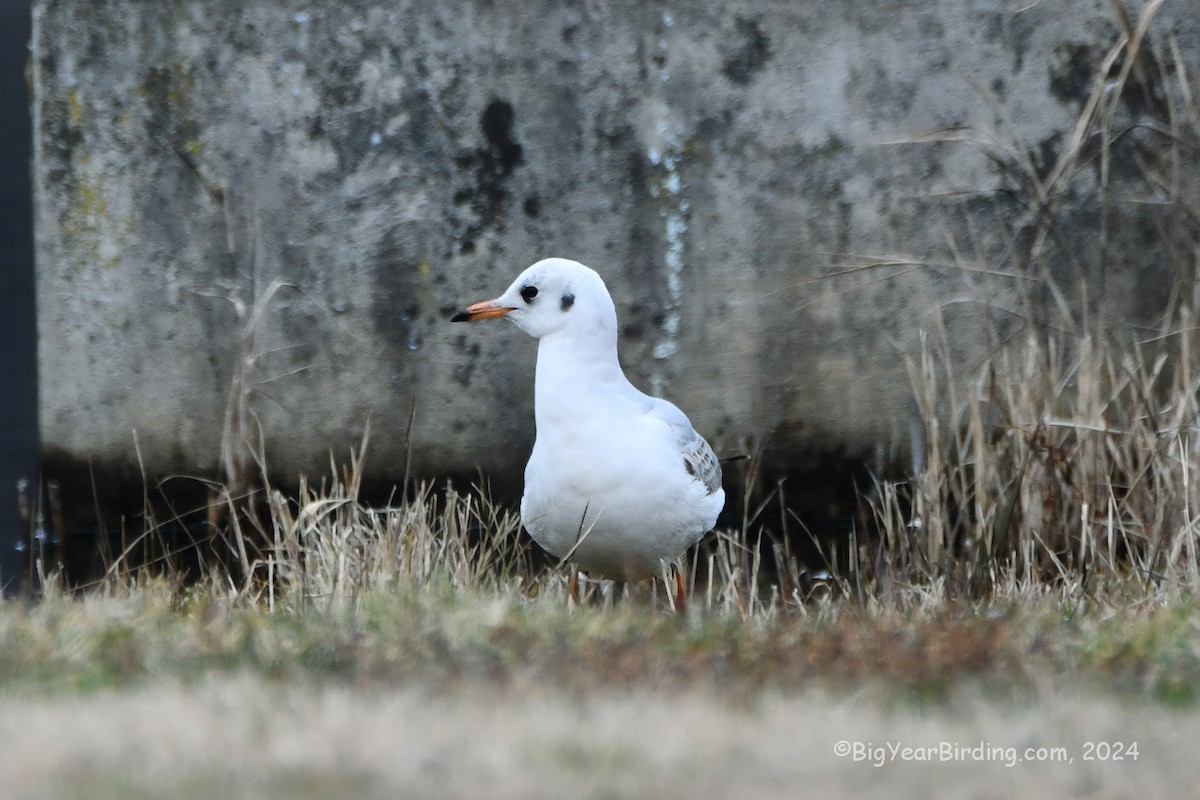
{"x":553,"y":295}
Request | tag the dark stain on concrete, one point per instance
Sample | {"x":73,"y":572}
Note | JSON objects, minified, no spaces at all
{"x":396,"y":308}
{"x":489,"y":166}
{"x":750,"y":55}
{"x":1071,"y":77}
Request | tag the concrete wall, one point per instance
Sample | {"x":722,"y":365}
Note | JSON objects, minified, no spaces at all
{"x":722,"y":165}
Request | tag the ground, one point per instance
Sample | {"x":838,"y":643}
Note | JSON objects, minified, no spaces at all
{"x":246,"y":736}
{"x":158,"y":691}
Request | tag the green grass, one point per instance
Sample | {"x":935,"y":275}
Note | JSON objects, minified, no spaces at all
{"x":439,"y":638}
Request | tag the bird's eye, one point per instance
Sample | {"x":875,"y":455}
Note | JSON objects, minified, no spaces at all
{"x":528,"y":293}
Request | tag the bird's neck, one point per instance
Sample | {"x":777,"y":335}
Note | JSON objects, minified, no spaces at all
{"x":575,"y":373}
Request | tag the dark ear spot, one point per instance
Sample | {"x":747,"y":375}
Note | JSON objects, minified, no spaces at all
{"x":568,"y":300}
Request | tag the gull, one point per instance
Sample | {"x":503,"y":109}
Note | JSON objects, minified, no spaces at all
{"x":618,"y":481}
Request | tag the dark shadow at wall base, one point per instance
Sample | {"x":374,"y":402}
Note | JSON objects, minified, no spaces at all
{"x":18,"y":319}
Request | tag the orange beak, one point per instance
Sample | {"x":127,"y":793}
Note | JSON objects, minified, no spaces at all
{"x":485,"y":310}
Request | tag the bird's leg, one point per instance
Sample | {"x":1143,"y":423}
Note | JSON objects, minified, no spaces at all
{"x":573,"y":587}
{"x":674,"y":586}
{"x":681,"y":597}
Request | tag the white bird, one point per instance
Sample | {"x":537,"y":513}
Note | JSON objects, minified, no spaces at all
{"x":618,"y":482}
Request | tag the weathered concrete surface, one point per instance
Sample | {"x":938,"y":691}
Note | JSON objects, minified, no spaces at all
{"x":717,"y":163}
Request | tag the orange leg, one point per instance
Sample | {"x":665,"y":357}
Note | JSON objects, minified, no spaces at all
{"x":681,"y":597}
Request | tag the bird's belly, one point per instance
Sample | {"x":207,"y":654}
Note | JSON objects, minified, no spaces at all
{"x":611,"y":513}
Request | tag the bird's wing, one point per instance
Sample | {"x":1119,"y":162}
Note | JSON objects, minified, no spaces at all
{"x":698,"y":458}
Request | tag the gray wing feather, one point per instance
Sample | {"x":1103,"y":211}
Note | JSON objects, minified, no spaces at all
{"x":698,"y":458}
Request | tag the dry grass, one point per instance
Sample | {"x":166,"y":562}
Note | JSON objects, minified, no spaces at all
{"x":429,"y":594}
